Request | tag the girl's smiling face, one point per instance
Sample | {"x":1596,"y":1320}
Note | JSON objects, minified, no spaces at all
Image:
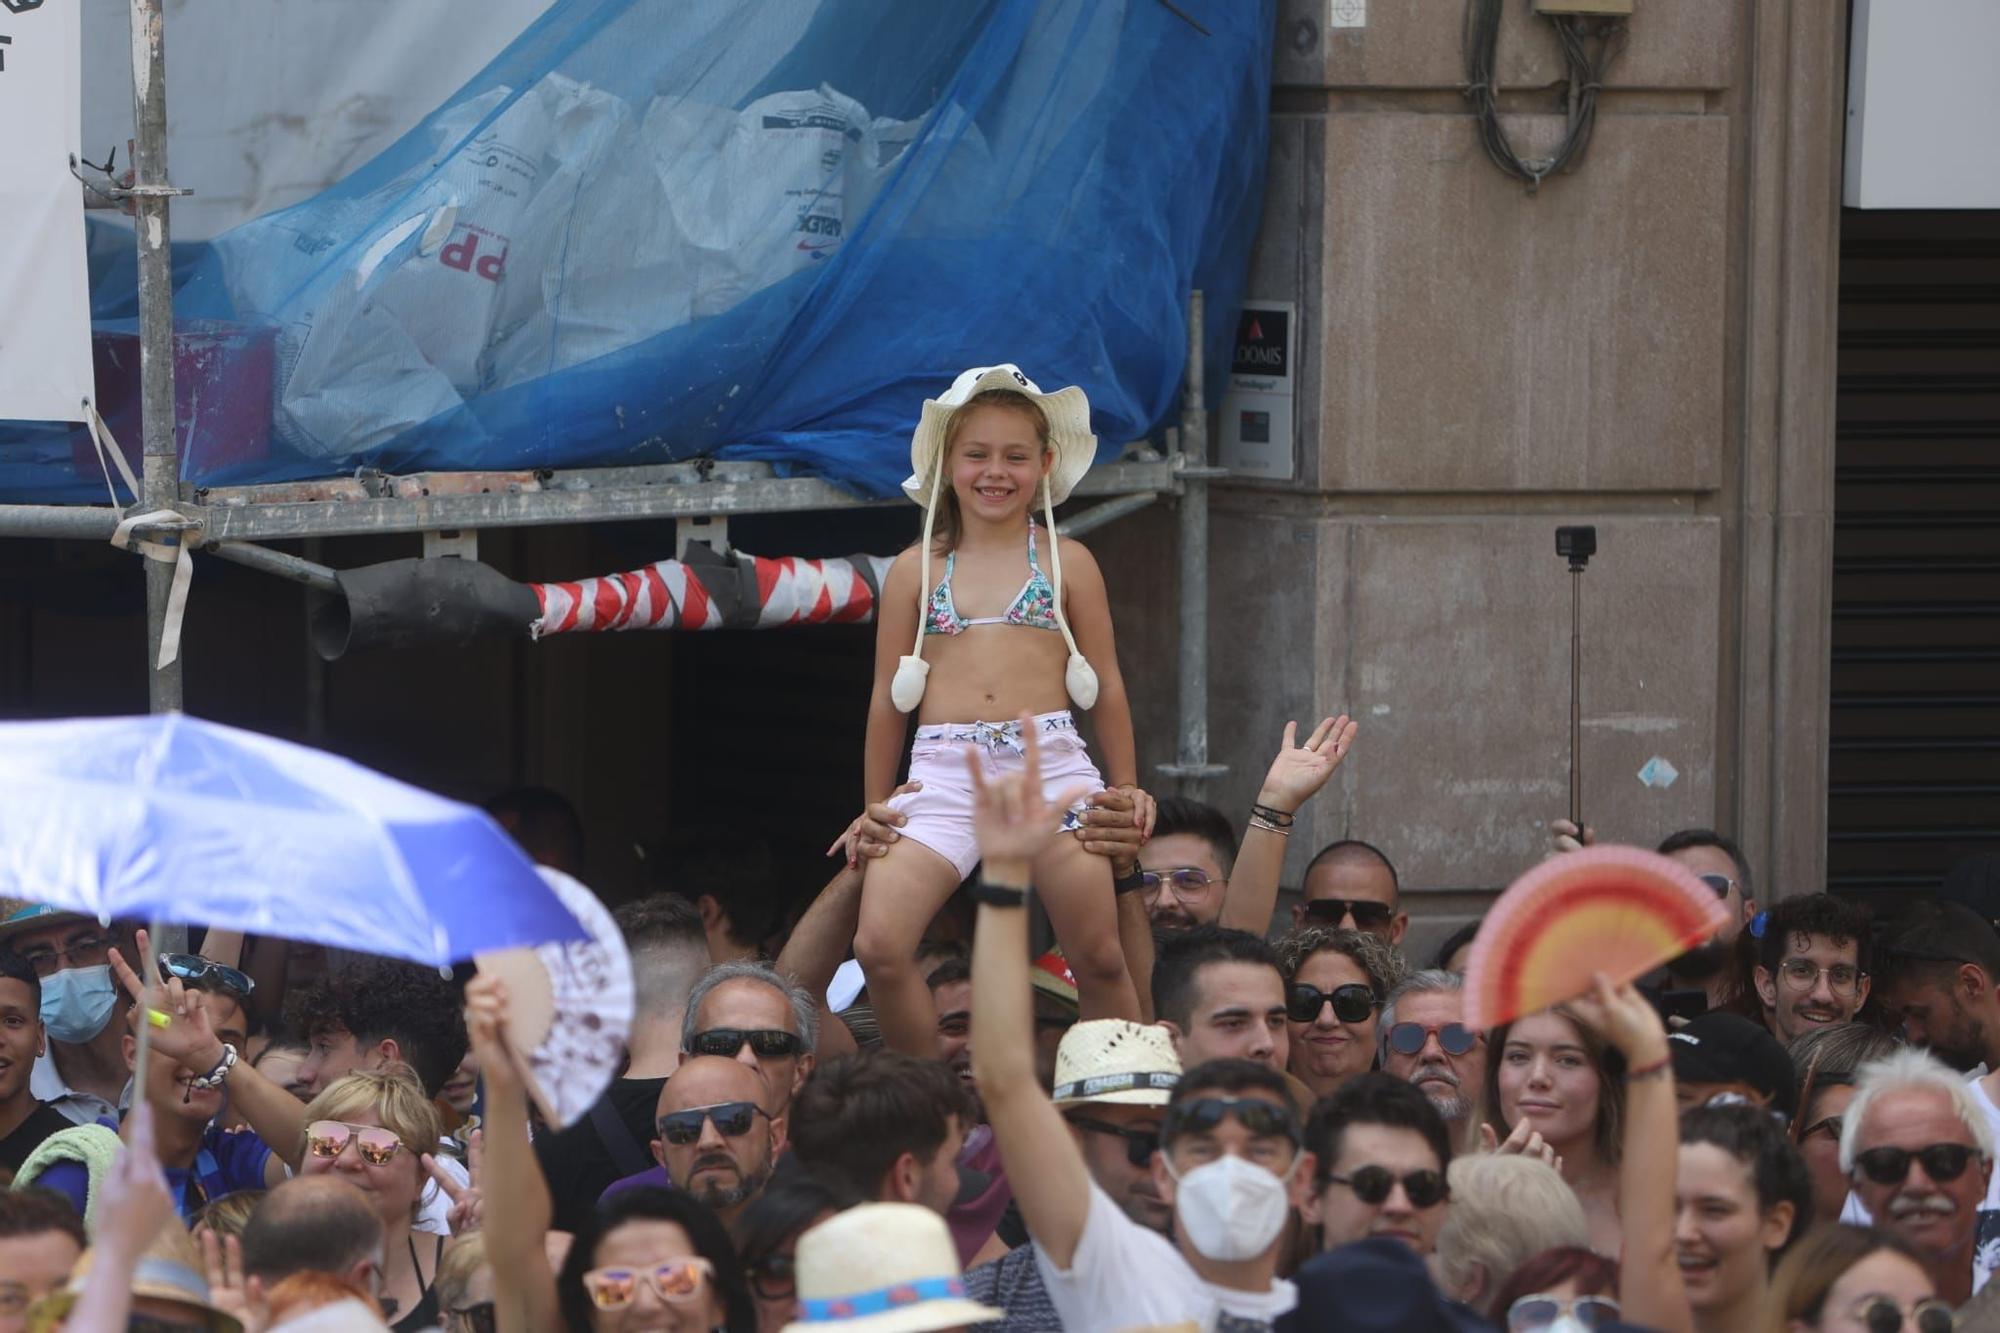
{"x":1547,"y":1078}
{"x":997,"y":462}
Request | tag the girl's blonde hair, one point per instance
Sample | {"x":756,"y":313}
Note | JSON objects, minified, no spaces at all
{"x":948,"y":523}
{"x":464,"y":1259}
{"x":228,"y":1215}
{"x":394,"y":1095}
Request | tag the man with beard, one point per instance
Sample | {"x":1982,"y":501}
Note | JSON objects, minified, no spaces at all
{"x":1718,"y":863}
{"x":1920,"y":1156}
{"x":1425,"y":1042}
{"x":951,"y":998}
{"x":1812,"y":964}
{"x":1941,"y":964}
{"x":716,"y":1140}
{"x":1186,"y":864}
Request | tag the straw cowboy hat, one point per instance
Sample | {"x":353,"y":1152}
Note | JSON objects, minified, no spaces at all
{"x":168,"y":1271}
{"x":882,"y":1268}
{"x":1111,"y":1061}
{"x":1075,"y":448}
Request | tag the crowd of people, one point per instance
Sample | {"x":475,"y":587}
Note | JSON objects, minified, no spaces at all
{"x":904,"y":1112}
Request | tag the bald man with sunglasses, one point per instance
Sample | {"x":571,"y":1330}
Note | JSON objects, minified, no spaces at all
{"x":716,"y":1139}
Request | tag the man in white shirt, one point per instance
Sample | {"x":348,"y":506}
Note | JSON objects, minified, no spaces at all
{"x":1230,"y":1163}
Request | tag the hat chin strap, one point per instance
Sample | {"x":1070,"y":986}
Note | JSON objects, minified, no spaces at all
{"x":906,"y":691}
{"x":1079,"y":677}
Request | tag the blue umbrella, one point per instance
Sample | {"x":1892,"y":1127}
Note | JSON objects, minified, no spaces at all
{"x":170,"y":818}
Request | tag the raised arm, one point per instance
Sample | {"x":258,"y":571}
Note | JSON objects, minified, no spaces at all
{"x":819,"y":944}
{"x":895,"y":631}
{"x":1295,"y":776}
{"x":273,"y":1114}
{"x":1088,"y":608}
{"x":516,"y":1210}
{"x":1650,"y":1288}
{"x":1044,"y":1166}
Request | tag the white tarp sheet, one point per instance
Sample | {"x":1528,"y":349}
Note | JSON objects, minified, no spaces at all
{"x":44,"y":291}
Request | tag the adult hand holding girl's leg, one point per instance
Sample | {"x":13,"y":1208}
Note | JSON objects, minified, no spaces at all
{"x":903,"y":890}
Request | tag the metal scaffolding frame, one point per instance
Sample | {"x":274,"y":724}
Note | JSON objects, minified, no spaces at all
{"x":449,"y":508}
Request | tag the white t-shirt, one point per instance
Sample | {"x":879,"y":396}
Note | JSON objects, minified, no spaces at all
{"x":434,"y":1206}
{"x":1123,"y":1275}
{"x":1986,"y":1227}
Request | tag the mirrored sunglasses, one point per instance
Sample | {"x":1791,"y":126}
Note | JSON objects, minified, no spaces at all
{"x":1367,"y":915}
{"x":329,"y":1139}
{"x":732,"y":1120}
{"x":1453,"y":1038}
{"x":1184,"y":880}
{"x":764,"y":1043}
{"x":1200,"y":1115}
{"x":1533,"y":1313}
{"x":1352,"y":1003}
{"x":191,"y":969}
{"x":1373,"y":1185}
{"x":676,"y":1283}
{"x":1943,"y":1162}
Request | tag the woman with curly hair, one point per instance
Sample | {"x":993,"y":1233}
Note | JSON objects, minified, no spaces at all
{"x":1335,"y":982}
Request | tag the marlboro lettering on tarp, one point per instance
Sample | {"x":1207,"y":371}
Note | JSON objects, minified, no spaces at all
{"x":44,"y":295}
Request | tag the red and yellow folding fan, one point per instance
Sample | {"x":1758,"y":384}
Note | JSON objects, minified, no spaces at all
{"x":1621,"y":911}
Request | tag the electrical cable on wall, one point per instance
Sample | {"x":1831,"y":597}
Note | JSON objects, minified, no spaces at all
{"x":1583,"y":78}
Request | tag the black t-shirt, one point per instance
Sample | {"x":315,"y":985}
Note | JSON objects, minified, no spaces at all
{"x":41,"y":1122}
{"x":580,"y":1166}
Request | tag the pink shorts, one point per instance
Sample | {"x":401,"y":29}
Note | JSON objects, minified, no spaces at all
{"x":941,"y":814}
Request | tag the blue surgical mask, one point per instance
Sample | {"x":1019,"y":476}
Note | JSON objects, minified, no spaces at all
{"x":77,"y":1002}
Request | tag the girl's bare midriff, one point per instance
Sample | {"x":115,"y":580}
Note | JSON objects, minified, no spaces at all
{"x":993,"y":673}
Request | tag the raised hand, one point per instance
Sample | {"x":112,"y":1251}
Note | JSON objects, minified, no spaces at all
{"x":180,"y":1022}
{"x":228,"y":1290}
{"x":873,"y":829}
{"x":135,"y":1201}
{"x":1625,"y":1019}
{"x":1567,"y":837}
{"x":1013,"y":822}
{"x":1526,"y":1141}
{"x":486,"y":1015}
{"x":1299,"y":771}
{"x":468,"y":1204}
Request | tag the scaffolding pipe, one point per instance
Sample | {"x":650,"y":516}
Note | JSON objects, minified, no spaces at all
{"x":78,"y":522}
{"x":1191,"y":768}
{"x":252,"y":556}
{"x":1090,"y":520}
{"x":150,"y":193}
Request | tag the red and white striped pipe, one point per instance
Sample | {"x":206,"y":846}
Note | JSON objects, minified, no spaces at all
{"x":708,"y":591}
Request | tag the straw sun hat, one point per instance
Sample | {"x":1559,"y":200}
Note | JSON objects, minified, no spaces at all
{"x":1068,"y":414}
{"x":1112,"y":1061}
{"x":882,"y":1268}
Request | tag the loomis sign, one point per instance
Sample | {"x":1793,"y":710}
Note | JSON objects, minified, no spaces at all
{"x":44,"y":293}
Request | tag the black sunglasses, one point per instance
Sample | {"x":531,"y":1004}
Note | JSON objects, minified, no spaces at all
{"x":1722,"y":884}
{"x":765,"y":1043}
{"x":1200,"y":1115}
{"x":1352,"y":1003}
{"x":732,"y":1120}
{"x":1832,"y":1125}
{"x":1453,"y":1038}
{"x":479,"y":1318}
{"x":1882,"y":1315}
{"x":1367,"y":915}
{"x":191,"y":969}
{"x":775,"y":1277}
{"x":1140,"y":1143}
{"x":1372,"y":1184}
{"x":1943,"y":1162}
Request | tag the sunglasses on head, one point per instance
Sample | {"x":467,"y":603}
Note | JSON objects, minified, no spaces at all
{"x":1530,"y":1314}
{"x":676,"y":1283}
{"x":1352,"y":1003}
{"x":732,"y":1120}
{"x":1367,"y":915}
{"x":478,"y":1318}
{"x":329,"y":1139}
{"x":1140,"y":1143}
{"x":191,"y":969}
{"x":764,"y":1043}
{"x":1879,"y":1314}
{"x":1943,"y":1162}
{"x":1200,"y":1115}
{"x":1453,"y":1038}
{"x":1373,"y":1185}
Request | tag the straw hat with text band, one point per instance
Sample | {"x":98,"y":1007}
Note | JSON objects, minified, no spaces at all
{"x":1075,"y":448}
{"x":882,"y":1268}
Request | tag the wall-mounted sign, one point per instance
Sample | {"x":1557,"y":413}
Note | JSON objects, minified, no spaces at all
{"x":1257,"y":405}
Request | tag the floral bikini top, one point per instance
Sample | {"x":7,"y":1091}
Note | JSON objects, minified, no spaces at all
{"x":1034,"y":606}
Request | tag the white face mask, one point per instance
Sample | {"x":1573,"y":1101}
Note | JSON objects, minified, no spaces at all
{"x":1230,"y":1209}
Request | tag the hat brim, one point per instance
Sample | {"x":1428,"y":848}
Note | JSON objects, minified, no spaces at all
{"x":927,"y":1317}
{"x":8,"y":930}
{"x":1129,"y":1097}
{"x":1068,"y":413}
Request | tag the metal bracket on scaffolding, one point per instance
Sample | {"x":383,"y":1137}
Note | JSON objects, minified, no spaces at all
{"x":452,"y":544}
{"x":710,"y":529}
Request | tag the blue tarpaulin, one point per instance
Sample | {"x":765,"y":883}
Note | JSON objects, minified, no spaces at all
{"x":653,"y":230}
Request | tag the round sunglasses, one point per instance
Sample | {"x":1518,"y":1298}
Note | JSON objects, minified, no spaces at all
{"x":677,"y":1283}
{"x":1879,"y":1314}
{"x":1453,"y":1038}
{"x":328,"y":1139}
{"x":1943,"y":1162}
{"x":1352,"y":1003}
{"x":1531,"y":1314}
{"x":1373,"y":1185}
{"x":732,"y":1120}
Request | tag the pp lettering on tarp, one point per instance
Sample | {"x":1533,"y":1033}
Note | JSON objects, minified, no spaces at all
{"x":44,"y":293}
